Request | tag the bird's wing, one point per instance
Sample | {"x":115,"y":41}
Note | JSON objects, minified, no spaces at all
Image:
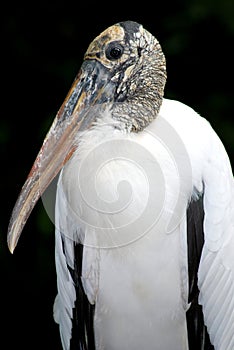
{"x":216,"y":270}
{"x":75,"y":302}
{"x":212,"y":175}
{"x":198,"y":337}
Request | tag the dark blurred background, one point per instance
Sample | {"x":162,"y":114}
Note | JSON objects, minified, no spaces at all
{"x":42,"y":46}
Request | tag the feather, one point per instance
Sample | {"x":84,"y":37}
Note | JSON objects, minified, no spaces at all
{"x":198,"y":337}
{"x":72,"y":309}
{"x":216,"y":270}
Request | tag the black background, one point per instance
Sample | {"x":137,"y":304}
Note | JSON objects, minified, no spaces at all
{"x":42,"y":46}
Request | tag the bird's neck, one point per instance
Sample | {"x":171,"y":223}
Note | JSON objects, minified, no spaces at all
{"x":143,"y":94}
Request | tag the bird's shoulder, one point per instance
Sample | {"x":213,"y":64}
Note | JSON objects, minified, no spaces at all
{"x":181,"y":116}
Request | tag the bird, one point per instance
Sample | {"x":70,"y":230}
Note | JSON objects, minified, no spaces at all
{"x":144,"y":212}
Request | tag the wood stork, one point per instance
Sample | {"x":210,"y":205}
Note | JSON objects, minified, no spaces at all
{"x":144,"y":211}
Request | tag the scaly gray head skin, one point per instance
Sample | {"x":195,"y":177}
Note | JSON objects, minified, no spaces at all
{"x":124,"y":68}
{"x":137,"y":65}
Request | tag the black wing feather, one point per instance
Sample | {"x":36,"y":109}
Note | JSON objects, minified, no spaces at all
{"x":198,"y":337}
{"x":83,"y":312}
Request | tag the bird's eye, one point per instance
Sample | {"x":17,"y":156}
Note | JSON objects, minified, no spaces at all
{"x":114,"y":51}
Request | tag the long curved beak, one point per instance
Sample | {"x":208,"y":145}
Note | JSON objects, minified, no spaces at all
{"x":75,"y":114}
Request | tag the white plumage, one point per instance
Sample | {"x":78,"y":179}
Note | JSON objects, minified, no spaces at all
{"x":140,"y":289}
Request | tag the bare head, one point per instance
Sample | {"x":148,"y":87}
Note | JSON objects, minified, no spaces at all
{"x":124,"y":69}
{"x":136,"y":70}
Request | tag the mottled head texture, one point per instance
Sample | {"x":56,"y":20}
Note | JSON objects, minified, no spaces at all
{"x":138,"y":69}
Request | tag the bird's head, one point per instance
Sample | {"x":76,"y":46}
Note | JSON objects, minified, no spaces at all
{"x":124,"y":71}
{"x":128,"y":63}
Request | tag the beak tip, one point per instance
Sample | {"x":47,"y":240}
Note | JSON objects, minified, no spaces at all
{"x":12,"y":235}
{"x":11,"y":250}
{"x":11,"y":244}
{"x":11,"y":247}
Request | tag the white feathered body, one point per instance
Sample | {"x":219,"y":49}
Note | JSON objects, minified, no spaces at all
{"x":124,"y":196}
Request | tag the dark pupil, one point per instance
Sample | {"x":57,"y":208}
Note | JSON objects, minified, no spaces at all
{"x":115,"y":52}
